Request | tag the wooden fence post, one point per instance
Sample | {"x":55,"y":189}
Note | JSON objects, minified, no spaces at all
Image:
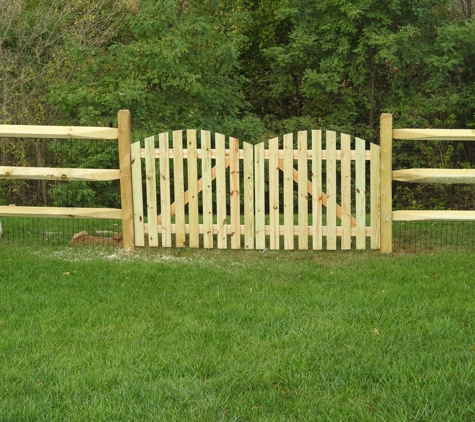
{"x":386,"y":133}
{"x":126,"y":180}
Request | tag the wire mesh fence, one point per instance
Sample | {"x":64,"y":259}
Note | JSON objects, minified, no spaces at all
{"x":430,"y":236}
{"x":61,"y":153}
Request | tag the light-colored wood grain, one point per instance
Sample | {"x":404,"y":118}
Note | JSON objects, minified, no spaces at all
{"x":267,"y":228}
{"x":49,"y":173}
{"x":207,"y":189}
{"x":445,"y":176}
{"x":234,"y":193}
{"x":266,"y":154}
{"x":274,"y":239}
{"x":360,"y":193}
{"x":221,"y":191}
{"x":288,"y":192}
{"x":126,"y":200}
{"x":61,"y":212}
{"x":375,"y":196}
{"x":323,"y":196}
{"x":59,"y":132}
{"x":302,"y":145}
{"x":151,"y":189}
{"x":179,"y":189}
{"x":193,"y":215}
{"x":137,"y":194}
{"x":317,"y":190}
{"x":331,"y":190}
{"x":259,"y":183}
{"x":165,"y":201}
{"x":345,"y":191}
{"x":386,"y":140}
{"x":248,"y":196}
{"x":406,"y":215}
{"x":435,"y":134}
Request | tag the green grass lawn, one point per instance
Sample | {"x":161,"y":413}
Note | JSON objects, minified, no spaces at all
{"x":183,"y":335}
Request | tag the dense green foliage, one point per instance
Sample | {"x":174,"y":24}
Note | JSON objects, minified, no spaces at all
{"x":247,"y":68}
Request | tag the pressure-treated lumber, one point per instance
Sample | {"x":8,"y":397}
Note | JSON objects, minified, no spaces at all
{"x":59,"y":132}
{"x":375,"y":200}
{"x":331,"y":190}
{"x":360,"y":194}
{"x":151,"y":188}
{"x":165,"y":199}
{"x":316,"y":190}
{"x":242,"y":230}
{"x":61,"y":212}
{"x":124,"y":136}
{"x":207,"y":189}
{"x":274,"y":240}
{"x":424,"y":215}
{"x":234,"y":193}
{"x":179,"y":188}
{"x":345,"y":214}
{"x":49,"y":173}
{"x":221,"y":212}
{"x":248,"y":196}
{"x":259,"y":177}
{"x":137,"y":194}
{"x":386,"y":134}
{"x":288,"y":192}
{"x":302,"y":144}
{"x":434,"y":134}
{"x":445,"y":176}
{"x":194,"y":239}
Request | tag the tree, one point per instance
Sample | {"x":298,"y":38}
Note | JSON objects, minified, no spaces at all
{"x":34,"y":35}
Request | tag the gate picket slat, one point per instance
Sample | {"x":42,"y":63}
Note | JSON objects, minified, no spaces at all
{"x":375,"y":196}
{"x":345,"y":192}
{"x":274,"y":193}
{"x":193,"y":217}
{"x":331,"y":190}
{"x":234,"y":193}
{"x":317,"y":198}
{"x":207,"y":188}
{"x":259,"y":172}
{"x":151,"y":186}
{"x":303,"y":190}
{"x":179,"y":188}
{"x":137,"y":194}
{"x":248,"y":196}
{"x":360,"y":195}
{"x":288,"y":191}
{"x":221,"y":190}
{"x":165,"y":218}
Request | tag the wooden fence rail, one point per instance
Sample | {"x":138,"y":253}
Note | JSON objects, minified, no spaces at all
{"x":213,"y":195}
{"x":443,"y":176}
{"x":122,"y":133}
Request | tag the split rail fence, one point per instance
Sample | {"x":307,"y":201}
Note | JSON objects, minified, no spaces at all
{"x":417,"y":175}
{"x":255,"y":197}
{"x":122,"y":133}
{"x":230,"y":197}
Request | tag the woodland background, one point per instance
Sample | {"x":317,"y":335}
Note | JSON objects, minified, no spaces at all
{"x":251,"y":69}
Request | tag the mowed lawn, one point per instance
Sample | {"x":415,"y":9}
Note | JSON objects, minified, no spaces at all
{"x":183,"y":335}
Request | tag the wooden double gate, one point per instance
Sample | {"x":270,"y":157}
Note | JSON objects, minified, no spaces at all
{"x":203,"y":190}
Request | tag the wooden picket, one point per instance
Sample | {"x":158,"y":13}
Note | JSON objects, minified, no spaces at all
{"x":227,"y":197}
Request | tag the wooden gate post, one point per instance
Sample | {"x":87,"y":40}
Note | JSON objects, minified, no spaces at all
{"x":386,"y":140}
{"x":126,"y":180}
